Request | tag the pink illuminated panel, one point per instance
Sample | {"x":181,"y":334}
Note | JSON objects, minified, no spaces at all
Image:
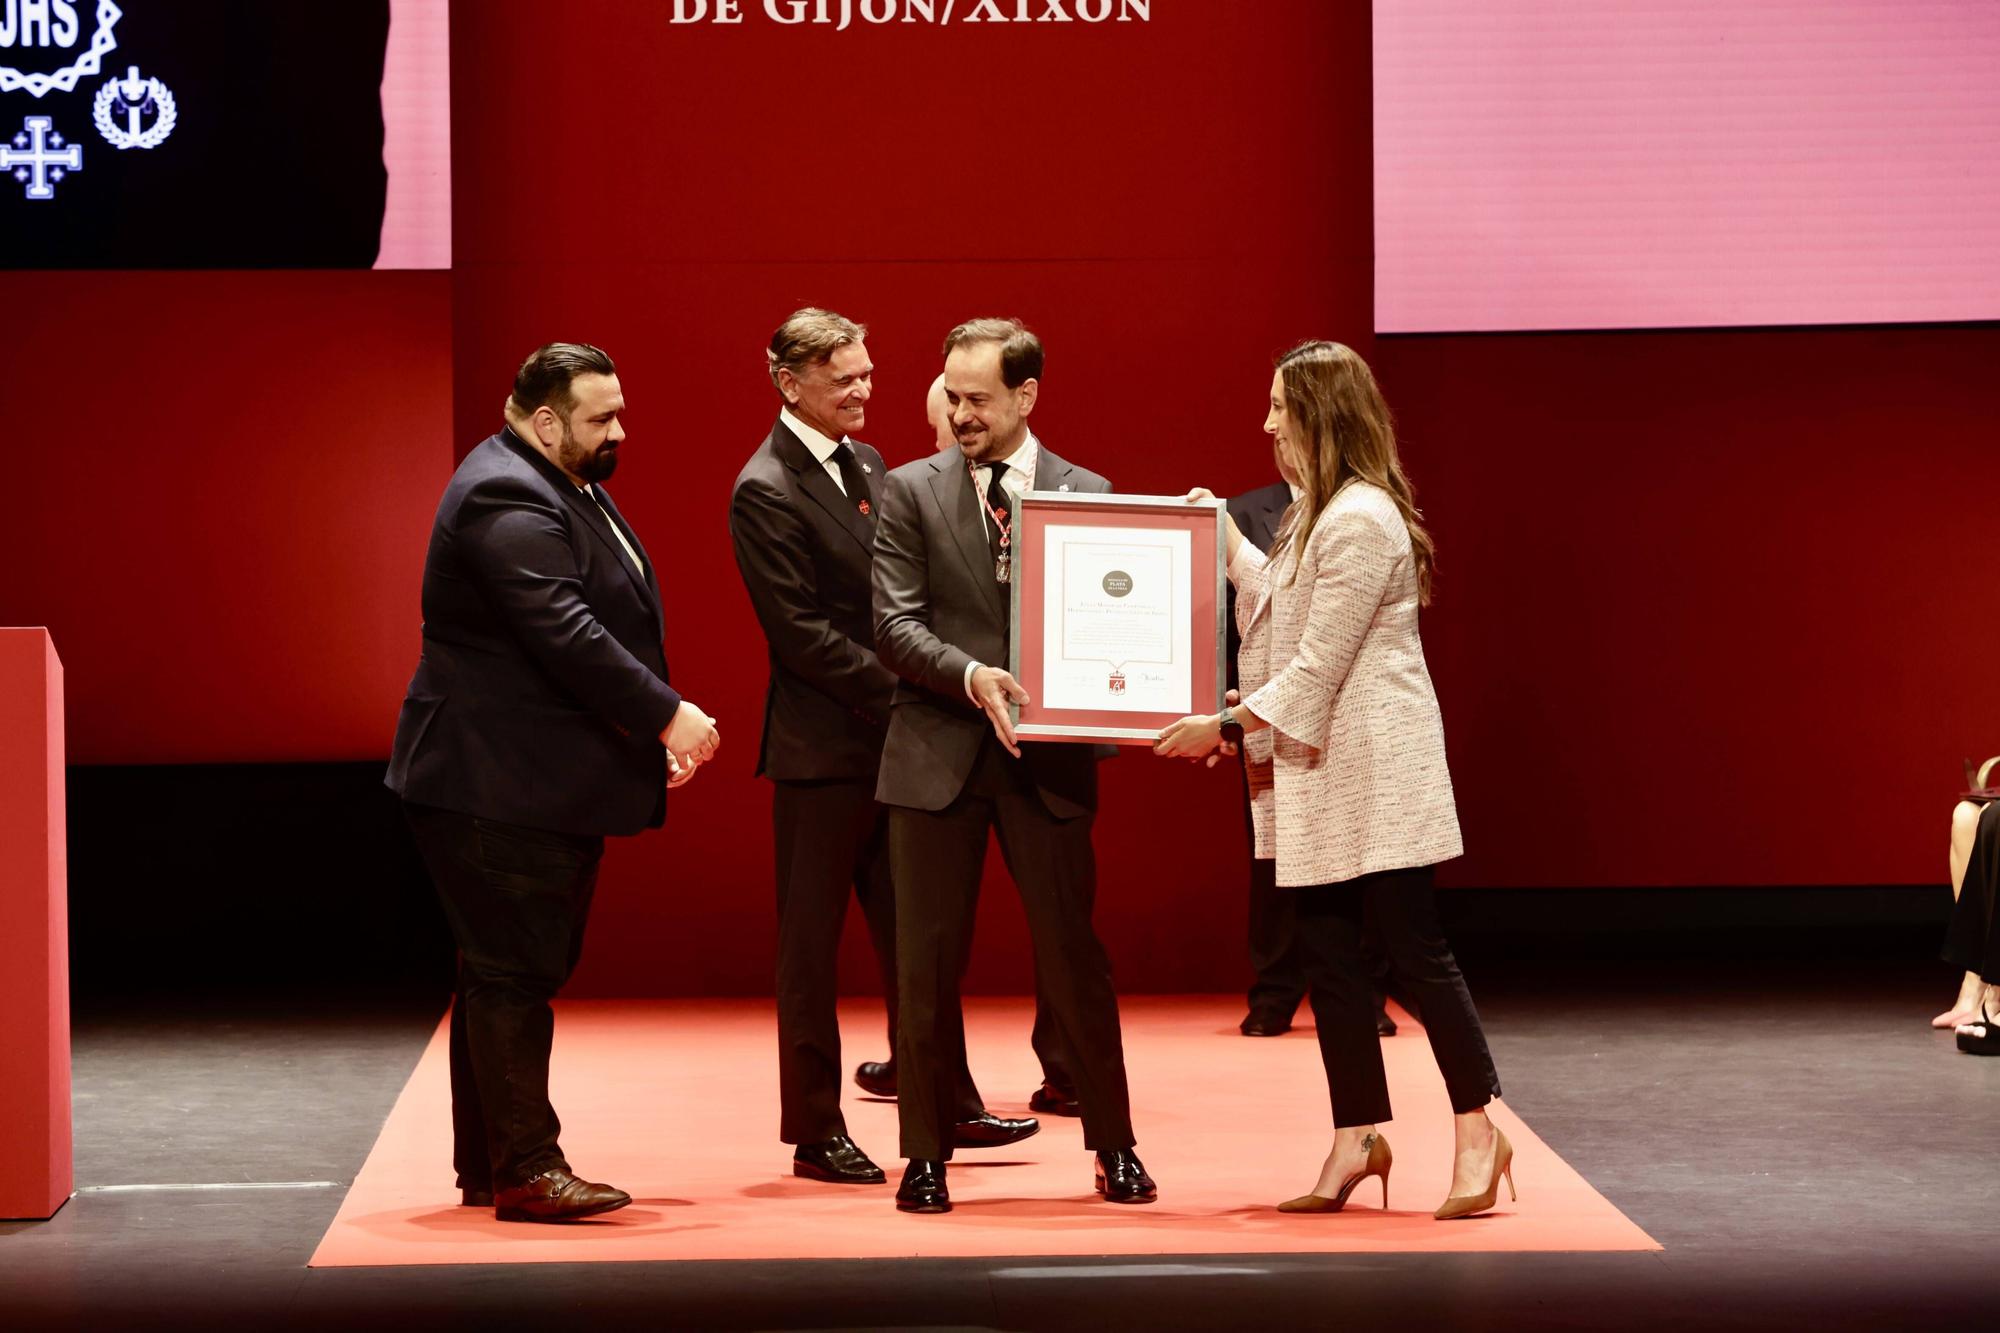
{"x":416,"y":141}
{"x":1578,"y":164}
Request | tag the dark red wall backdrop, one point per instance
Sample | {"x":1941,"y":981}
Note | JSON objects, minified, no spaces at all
{"x":1712,"y":608}
{"x":219,"y":490}
{"x":1167,"y":203}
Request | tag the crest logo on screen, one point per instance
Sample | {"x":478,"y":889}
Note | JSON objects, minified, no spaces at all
{"x":47,"y":48}
{"x":39,"y":157}
{"x":133,"y":112}
{"x":44,"y":48}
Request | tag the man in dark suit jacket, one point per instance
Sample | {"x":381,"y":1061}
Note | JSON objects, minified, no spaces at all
{"x":951,"y":768}
{"x":1279,"y":982}
{"x":802,"y":520}
{"x":538,"y":722}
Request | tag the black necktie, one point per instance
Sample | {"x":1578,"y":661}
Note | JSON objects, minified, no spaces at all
{"x":1002,"y":515}
{"x":851,"y":479}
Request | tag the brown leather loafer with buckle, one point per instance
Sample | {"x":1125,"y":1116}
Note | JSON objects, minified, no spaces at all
{"x":556,"y":1196}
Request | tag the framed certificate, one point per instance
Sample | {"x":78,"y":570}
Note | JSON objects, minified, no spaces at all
{"x":1117,"y":614}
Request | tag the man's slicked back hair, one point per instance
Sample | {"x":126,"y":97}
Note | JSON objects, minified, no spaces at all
{"x":1020,"y":349}
{"x":544,"y":379}
{"x":808,"y":337}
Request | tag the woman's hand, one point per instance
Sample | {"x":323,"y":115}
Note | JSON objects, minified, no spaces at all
{"x":1191,"y":738}
{"x":1231,"y":533}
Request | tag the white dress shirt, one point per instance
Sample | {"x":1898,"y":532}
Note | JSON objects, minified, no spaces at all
{"x":820,"y":447}
{"x":616,"y":531}
{"x":1017,"y":479}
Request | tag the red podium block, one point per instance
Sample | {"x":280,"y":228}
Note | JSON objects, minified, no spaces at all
{"x":36,"y":1175}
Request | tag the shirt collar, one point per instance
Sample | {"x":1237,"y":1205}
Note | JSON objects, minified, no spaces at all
{"x":1021,"y":463}
{"x":818,"y":445}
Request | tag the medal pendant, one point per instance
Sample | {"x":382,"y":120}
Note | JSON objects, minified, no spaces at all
{"x":1003,"y":570}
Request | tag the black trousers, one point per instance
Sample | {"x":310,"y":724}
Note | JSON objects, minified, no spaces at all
{"x":1046,"y":1039}
{"x":937,"y":857}
{"x":831,"y":838}
{"x":1972,"y":942}
{"x":1278,"y":969}
{"x":1401,"y":909}
{"x":1280,"y":975}
{"x":517,"y":900}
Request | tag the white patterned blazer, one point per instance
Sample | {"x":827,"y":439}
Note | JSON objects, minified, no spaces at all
{"x":1350,"y":776}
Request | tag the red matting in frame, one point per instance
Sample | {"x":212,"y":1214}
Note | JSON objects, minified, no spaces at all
{"x":1033,"y":514}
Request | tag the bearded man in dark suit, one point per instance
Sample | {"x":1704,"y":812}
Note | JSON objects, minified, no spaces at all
{"x":802,"y":520}
{"x":539,"y":721}
{"x":952,"y":770}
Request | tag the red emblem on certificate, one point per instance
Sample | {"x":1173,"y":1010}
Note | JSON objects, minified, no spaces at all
{"x":1118,"y":682}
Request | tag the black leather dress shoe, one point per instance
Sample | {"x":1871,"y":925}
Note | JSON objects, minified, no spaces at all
{"x":876,"y":1077}
{"x":991,"y":1131}
{"x":1051,"y":1100}
{"x":1121,"y":1178}
{"x":556,"y":1196}
{"x":838,"y":1161}
{"x":922,"y":1190}
{"x":1385,"y":1026}
{"x":1265,"y":1021}
{"x":475,"y":1198}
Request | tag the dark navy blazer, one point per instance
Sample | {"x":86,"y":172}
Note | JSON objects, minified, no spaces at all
{"x":542,"y":689}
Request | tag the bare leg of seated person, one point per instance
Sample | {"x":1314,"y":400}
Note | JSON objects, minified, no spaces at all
{"x":1964,"y":825}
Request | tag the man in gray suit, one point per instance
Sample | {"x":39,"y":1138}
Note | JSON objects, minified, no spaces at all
{"x":952,"y":769}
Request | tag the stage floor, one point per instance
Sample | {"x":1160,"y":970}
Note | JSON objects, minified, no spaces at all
{"x":1805,"y":1150}
{"x":676,"y":1102}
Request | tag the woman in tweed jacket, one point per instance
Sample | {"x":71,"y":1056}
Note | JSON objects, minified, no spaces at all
{"x":1345,"y":751}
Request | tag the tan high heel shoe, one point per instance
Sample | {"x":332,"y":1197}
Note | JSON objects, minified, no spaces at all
{"x":1380,"y":1159}
{"x":1465,"y":1205}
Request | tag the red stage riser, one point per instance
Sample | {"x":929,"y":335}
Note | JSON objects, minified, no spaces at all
{"x":35,"y":1147}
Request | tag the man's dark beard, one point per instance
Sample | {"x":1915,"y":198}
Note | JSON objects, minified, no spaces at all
{"x":590,"y":467}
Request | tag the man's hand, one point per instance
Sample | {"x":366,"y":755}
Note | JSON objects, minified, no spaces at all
{"x":691,"y":738}
{"x":994,"y":689}
{"x":679,"y":774}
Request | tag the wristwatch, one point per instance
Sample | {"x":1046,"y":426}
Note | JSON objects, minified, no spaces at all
{"x":1232,"y":730}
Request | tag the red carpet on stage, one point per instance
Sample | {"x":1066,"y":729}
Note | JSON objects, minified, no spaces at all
{"x":676,"y":1102}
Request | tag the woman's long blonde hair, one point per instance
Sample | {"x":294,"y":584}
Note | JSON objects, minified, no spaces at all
{"x":1345,"y":433}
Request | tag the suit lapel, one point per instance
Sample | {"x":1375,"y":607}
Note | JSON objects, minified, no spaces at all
{"x":814,"y":481}
{"x":1049,"y":471}
{"x":650,"y":580}
{"x":594,"y":518}
{"x":1276,"y":513}
{"x":599,"y":522}
{"x":951,"y":487}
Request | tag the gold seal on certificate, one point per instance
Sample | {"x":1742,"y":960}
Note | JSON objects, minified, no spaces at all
{"x":1118,"y":604}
